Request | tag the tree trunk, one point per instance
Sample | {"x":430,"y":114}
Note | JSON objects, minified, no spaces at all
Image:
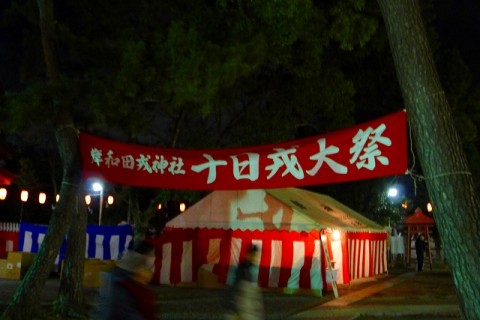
{"x":138,"y":222}
{"x":448,"y":178}
{"x":70,"y":300}
{"x":26,"y":298}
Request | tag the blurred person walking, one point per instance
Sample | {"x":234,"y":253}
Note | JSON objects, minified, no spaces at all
{"x":245,"y":299}
{"x":125,"y":294}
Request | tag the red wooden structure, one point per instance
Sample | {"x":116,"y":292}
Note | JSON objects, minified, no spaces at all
{"x":416,"y":223}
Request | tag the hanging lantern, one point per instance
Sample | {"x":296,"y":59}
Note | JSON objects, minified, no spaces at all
{"x":3,"y":193}
{"x":110,"y":200}
{"x":88,"y":199}
{"x":42,"y":197}
{"x":183,"y":207}
{"x":429,"y":207}
{"x":24,"y":195}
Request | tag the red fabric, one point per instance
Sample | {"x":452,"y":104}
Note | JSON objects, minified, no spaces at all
{"x":287,"y":259}
{"x":264,"y":271}
{"x":366,"y":254}
{"x":367,"y":235}
{"x":305,"y":270}
{"x":345,"y":264}
{"x":370,"y":150}
{"x":363,"y":254}
{"x":144,"y":298}
{"x":8,"y":236}
{"x":6,"y":177}
{"x":201,"y":237}
{"x":418,"y":218}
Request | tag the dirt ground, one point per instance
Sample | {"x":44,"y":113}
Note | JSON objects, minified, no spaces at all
{"x":402,"y":294}
{"x":427,"y":290}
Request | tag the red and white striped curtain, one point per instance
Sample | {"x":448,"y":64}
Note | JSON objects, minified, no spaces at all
{"x":9,"y":237}
{"x":287,"y":259}
{"x":367,"y":254}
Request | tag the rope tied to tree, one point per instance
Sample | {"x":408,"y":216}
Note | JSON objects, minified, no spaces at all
{"x":76,"y":185}
{"x":68,"y":126}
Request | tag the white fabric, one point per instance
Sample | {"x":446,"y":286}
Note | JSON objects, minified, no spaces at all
{"x":275,"y":263}
{"x":297,"y":264}
{"x":315,"y":271}
{"x":337,"y":256}
{"x":28,"y":242}
{"x":114,"y":246}
{"x":99,"y":246}
{"x":397,"y":245}
{"x":186,"y":264}
{"x":289,"y":209}
{"x":213,"y":255}
{"x":166,"y":263}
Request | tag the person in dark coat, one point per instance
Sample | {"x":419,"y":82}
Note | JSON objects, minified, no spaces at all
{"x":420,"y":246}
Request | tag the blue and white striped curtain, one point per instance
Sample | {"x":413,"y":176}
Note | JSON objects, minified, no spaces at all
{"x":102,"y":242}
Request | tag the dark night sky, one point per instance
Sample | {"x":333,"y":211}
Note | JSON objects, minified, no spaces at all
{"x":458,"y":25}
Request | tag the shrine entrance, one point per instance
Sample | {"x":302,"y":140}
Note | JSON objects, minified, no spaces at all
{"x":416,"y":223}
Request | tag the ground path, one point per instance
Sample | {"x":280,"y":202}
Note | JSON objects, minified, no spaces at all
{"x":402,"y":294}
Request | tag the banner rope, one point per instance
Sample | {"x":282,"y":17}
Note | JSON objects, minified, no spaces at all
{"x":453,"y":173}
{"x":69,"y":126}
{"x":410,"y":171}
{"x":70,"y":184}
{"x":416,"y":177}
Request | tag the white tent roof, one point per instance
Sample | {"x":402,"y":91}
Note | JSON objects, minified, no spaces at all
{"x":289,"y":209}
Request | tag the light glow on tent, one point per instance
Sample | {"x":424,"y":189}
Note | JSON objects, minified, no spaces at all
{"x":336,"y":235}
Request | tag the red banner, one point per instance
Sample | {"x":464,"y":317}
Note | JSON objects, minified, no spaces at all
{"x":370,"y":150}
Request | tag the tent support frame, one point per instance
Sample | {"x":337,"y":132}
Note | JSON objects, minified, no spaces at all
{"x":330,"y":269}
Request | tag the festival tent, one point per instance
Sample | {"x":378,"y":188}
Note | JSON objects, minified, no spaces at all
{"x":288,"y":225}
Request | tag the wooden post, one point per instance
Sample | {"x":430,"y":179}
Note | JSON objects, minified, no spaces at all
{"x":429,"y":249}
{"x":409,"y":246}
{"x":330,"y":269}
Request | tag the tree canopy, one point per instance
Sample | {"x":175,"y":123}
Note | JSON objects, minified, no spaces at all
{"x":202,"y":74}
